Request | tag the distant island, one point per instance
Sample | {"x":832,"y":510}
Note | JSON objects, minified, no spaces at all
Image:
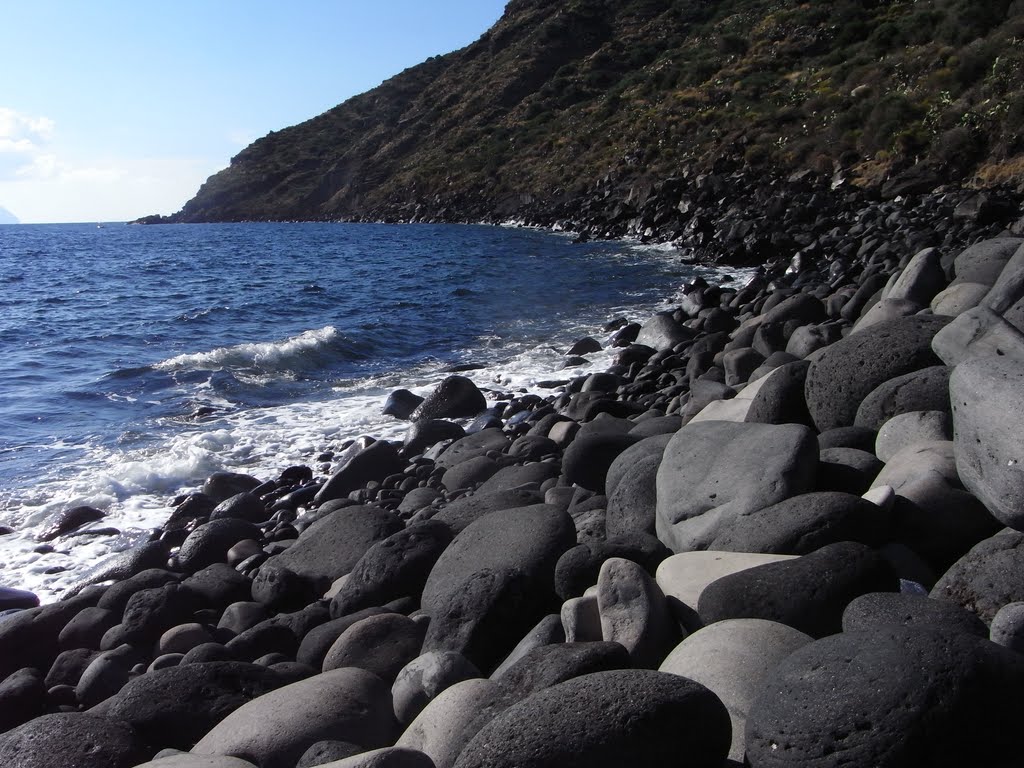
{"x":584,"y":106}
{"x":6,"y":217}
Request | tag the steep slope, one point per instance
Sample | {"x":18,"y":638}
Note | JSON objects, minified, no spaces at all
{"x":562,"y":94}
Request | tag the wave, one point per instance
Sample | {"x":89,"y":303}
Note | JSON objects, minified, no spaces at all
{"x":308,"y":351}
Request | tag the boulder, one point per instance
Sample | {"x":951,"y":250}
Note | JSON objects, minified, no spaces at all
{"x":440,"y":730}
{"x":460,"y":513}
{"x":454,"y":398}
{"x":877,"y":610}
{"x":912,"y":428}
{"x":275,"y":729}
{"x":712,"y":472}
{"x":662,"y":332}
{"x":424,"y":678}
{"x":888,"y":697}
{"x":372,"y":464}
{"x":588,"y":458}
{"x":381,"y":644}
{"x":494,"y":582}
{"x":82,"y":740}
{"x":988,"y":577}
{"x":474,"y":445}
{"x":923,"y":390}
{"x":401,"y":403}
{"x":605,"y":720}
{"x":634,"y":613}
{"x":685,"y":576}
{"x":842,"y":375}
{"x":68,"y":520}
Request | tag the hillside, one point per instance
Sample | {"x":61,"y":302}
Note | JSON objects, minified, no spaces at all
{"x":562,"y":96}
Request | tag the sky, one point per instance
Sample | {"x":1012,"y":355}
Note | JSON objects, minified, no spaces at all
{"x":111,"y":110}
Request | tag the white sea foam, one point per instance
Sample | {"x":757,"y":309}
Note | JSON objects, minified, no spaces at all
{"x":297,"y":353}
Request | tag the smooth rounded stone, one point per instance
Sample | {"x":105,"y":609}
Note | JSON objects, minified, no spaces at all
{"x":876,"y":610}
{"x":186,"y":760}
{"x":455,"y":397}
{"x":469,"y":473}
{"x":281,"y":589}
{"x":846,"y":372}
{"x":241,"y":616}
{"x":210,"y":542}
{"x":520,"y":476}
{"x":68,"y":667}
{"x":731,"y":658}
{"x":860,"y":438}
{"x":988,"y":577}
{"x":809,"y":338}
{"x":266,"y":637}
{"x":632,"y":506}
{"x":606,"y":719}
{"x":588,"y":458}
{"x":911,"y":464}
{"x":888,"y":697}
{"x":686,"y":575}
{"x":984,"y":262}
{"x":68,"y":520}
{"x":862,"y":298}
{"x":107,"y":674}
{"x":532,"y":447}
{"x":802,"y":524}
{"x":495,"y":581}
{"x":207,"y":652}
{"x":328,"y":751}
{"x":734,"y":409}
{"x":847,"y":470}
{"x":275,"y":729}
{"x":116,"y":598}
{"x":581,"y":619}
{"x":656,"y":425}
{"x":912,"y":428}
{"x":17,"y":599}
{"x":957,"y":298}
{"x":712,"y":472}
{"x":585,"y":346}
{"x":401,"y":403}
{"x":885,"y":311}
{"x":424,"y":433}
{"x":241,"y":506}
{"x":923,"y":390}
{"x":808,"y":593}
{"x":318,"y":641}
{"x":739,"y":364}
{"x":988,"y":408}
{"x":74,"y":739}
{"x":979,"y":332}
{"x":380,"y":644}
{"x":183,"y":638}
{"x":165,"y":661}
{"x":601,"y":382}
{"x":921,"y":279}
{"x":426,"y":677}
{"x":459,"y":514}
{"x":396,"y":567}
{"x":22,"y":697}
{"x":151,"y":612}
{"x":779,"y":398}
{"x":662,"y":332}
{"x":417,"y":499}
{"x":371,"y":464}
{"x":387,"y":757}
{"x":331,"y":546}
{"x":439,"y":730}
{"x":1008,"y":627}
{"x":219,"y":585}
{"x":563,"y":433}
{"x":221,"y":486}
{"x":87,"y":628}
{"x":643,"y":448}
{"x":548,"y":631}
{"x":471,"y":446}
{"x":634,"y":613}
{"x":177,"y":706}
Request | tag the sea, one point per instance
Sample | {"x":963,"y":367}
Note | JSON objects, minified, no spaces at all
{"x":137,"y":360}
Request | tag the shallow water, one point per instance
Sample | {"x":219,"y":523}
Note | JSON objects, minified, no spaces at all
{"x":137,"y":360}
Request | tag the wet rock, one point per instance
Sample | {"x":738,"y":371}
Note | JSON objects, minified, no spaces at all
{"x":221,"y":486}
{"x":371,"y":464}
{"x":401,"y":403}
{"x":455,"y":397}
{"x":210,"y":542}
{"x":68,"y":520}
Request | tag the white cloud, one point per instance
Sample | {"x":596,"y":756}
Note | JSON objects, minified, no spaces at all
{"x":15,"y":125}
{"x":23,"y":140}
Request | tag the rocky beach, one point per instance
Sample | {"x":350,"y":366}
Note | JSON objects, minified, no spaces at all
{"x":784,"y":528}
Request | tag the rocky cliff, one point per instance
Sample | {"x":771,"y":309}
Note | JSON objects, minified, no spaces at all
{"x":570,"y":100}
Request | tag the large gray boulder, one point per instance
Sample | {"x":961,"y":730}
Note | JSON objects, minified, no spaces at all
{"x":889,"y":698}
{"x":607,"y":720}
{"x":81,"y":740}
{"x":842,"y":375}
{"x":495,"y":581}
{"x":988,"y":422}
{"x":714,"y":471}
{"x":275,"y":729}
{"x":988,"y":577}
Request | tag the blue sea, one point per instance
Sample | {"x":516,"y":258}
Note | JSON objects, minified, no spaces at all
{"x":136,"y":360}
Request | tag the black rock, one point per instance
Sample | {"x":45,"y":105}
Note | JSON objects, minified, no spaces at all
{"x":176,"y":707}
{"x":17,"y":599}
{"x":876,"y":610}
{"x":218,"y":585}
{"x":455,"y":397}
{"x":372,"y":464}
{"x":210,"y":542}
{"x":988,"y":577}
{"x":243,"y":506}
{"x":117,"y":596}
{"x":423,"y":433}
{"x":923,"y":390}
{"x":22,"y":697}
{"x":808,"y":593}
{"x":401,"y":403}
{"x":589,"y":456}
{"x":75,"y":739}
{"x":68,"y":520}
{"x":380,"y":644}
{"x":151,"y":612}
{"x":889,"y":697}
{"x":329,"y":751}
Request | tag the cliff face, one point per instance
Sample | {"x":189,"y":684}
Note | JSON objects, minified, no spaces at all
{"x":562,"y":96}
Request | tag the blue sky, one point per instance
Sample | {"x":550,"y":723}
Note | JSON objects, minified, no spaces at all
{"x":110,"y":110}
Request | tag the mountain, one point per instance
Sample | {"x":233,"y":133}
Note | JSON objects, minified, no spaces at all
{"x":6,"y":217}
{"x":564,"y":97}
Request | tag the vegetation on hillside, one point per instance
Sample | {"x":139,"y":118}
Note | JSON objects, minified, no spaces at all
{"x":560,"y":94}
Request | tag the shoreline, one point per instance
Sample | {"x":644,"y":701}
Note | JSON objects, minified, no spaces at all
{"x":785,"y":470}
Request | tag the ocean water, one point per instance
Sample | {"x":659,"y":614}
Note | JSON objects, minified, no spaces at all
{"x":136,"y":360}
